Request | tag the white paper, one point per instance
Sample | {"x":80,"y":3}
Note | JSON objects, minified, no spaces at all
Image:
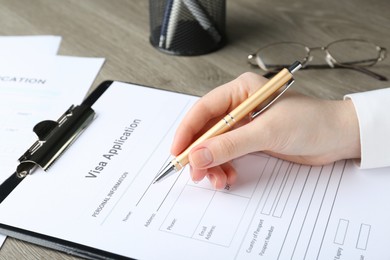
{"x":100,"y":194}
{"x":29,"y":45}
{"x":12,"y":47}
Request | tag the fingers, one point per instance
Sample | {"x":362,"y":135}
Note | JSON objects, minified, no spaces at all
{"x":211,"y":157}
{"x":220,"y":176}
{"x":212,"y":107}
{"x":196,"y":119}
{"x":223,"y":148}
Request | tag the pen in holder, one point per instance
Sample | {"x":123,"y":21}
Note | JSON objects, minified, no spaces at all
{"x":187,"y":27}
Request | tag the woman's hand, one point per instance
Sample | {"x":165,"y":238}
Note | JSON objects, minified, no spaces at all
{"x":295,"y":128}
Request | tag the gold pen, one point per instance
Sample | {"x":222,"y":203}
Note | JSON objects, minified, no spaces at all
{"x":272,"y":89}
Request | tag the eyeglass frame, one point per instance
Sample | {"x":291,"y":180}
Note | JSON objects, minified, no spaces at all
{"x":330,"y":60}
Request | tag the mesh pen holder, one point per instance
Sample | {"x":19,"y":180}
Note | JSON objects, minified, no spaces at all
{"x":187,"y":27}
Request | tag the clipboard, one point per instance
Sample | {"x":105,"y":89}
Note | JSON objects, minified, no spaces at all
{"x":119,"y":214}
{"x":54,"y":137}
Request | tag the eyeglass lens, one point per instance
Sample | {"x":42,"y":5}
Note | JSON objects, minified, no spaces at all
{"x":353,"y":52}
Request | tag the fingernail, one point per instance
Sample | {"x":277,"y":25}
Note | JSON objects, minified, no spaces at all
{"x":212,"y":180}
{"x":201,"y":157}
{"x":194,"y":180}
{"x":191,"y":173}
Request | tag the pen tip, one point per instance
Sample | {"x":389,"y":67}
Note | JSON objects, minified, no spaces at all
{"x":168,"y":170}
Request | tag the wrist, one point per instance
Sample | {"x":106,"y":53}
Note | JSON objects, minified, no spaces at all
{"x":348,"y":129}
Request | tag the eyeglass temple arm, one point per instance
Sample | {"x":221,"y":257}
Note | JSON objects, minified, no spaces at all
{"x":357,"y":68}
{"x":366,"y":71}
{"x":320,"y":66}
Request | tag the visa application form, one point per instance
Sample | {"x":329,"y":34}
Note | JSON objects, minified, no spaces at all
{"x":100,"y":194}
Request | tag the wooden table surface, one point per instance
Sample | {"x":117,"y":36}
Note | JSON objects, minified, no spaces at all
{"x":118,"y":30}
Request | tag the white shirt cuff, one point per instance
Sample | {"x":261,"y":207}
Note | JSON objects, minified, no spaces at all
{"x":373,"y":112}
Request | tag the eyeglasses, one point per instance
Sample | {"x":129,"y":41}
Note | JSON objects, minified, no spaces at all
{"x":347,"y":53}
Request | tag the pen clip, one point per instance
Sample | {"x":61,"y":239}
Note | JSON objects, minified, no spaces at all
{"x":274,"y":98}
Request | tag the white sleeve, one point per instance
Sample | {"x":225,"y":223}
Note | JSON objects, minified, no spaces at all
{"x":373,"y":112}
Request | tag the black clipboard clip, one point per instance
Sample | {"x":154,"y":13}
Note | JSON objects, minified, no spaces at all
{"x":54,"y":137}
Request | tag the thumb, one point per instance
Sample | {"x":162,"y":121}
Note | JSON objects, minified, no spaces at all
{"x":226,"y":147}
